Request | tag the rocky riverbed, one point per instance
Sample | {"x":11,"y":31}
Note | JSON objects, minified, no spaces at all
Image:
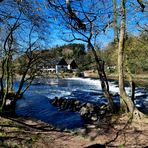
{"x":88,"y":111}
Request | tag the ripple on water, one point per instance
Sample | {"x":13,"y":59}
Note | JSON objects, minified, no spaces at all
{"x":38,"y":106}
{"x":88,"y":90}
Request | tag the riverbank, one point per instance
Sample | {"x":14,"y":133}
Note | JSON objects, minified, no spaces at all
{"x":28,"y":132}
{"x":139,"y":79}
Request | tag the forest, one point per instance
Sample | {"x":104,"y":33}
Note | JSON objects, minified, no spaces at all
{"x":136,"y":52}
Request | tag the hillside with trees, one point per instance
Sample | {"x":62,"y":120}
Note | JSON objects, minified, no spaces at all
{"x":136,"y":48}
{"x":68,"y":52}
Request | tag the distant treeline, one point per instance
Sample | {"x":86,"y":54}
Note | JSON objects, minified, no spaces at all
{"x":136,"y":48}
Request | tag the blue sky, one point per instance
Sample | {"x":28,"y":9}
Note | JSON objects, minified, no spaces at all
{"x":53,"y":33}
{"x":104,"y":39}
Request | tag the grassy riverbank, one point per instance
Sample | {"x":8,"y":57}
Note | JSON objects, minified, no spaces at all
{"x":139,"y":79}
{"x":27,"y":132}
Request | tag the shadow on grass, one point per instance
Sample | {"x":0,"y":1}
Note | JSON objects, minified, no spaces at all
{"x":116,"y":134}
{"x":18,"y":131}
{"x":108,"y":132}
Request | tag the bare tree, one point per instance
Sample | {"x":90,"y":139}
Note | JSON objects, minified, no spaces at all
{"x":6,"y":63}
{"x":15,"y":25}
{"x":86,"y":27}
{"x":127,"y":101}
{"x":141,"y":5}
{"x":14,"y":36}
{"x":28,"y":64}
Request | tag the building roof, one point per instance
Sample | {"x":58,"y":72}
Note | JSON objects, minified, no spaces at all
{"x":55,"y":61}
{"x":58,"y":61}
{"x":61,"y":61}
{"x":72,"y":64}
{"x":69,"y":61}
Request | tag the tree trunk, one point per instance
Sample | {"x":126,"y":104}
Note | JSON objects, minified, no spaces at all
{"x":123,"y":94}
{"x":21,"y":84}
{"x":2,"y":77}
{"x":18,"y":93}
{"x":115,"y":22}
{"x":5,"y":93}
{"x":103,"y":78}
{"x":11,"y":71}
{"x":136,"y":114}
{"x":130,"y":79}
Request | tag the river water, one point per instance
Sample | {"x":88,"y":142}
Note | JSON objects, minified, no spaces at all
{"x":35,"y":103}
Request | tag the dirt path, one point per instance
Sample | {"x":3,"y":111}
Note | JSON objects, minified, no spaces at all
{"x":24,"y":133}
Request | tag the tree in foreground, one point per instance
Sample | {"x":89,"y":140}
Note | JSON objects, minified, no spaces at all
{"x":127,"y":102}
{"x":19,"y":44}
{"x":26,"y":65}
{"x":85,"y":23}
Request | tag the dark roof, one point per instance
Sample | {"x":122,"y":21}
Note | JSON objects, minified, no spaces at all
{"x":61,"y":61}
{"x":55,"y":61}
{"x":69,"y":61}
{"x":73,"y":64}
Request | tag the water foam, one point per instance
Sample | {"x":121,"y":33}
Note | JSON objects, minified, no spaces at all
{"x":96,"y":82}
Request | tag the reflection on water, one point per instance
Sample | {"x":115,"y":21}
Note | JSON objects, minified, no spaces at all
{"x":39,"y":107}
{"x":87,"y":90}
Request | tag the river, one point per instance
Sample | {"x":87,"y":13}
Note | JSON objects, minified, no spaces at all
{"x":36,"y":104}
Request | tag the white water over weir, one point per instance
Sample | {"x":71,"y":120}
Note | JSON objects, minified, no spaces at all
{"x":36,"y":102}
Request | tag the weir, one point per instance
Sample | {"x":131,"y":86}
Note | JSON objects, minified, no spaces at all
{"x":36,"y":102}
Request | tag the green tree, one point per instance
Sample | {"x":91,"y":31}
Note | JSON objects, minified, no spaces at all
{"x":136,"y":52}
